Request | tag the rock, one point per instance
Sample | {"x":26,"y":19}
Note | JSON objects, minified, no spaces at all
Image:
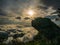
{"x":46,"y":27}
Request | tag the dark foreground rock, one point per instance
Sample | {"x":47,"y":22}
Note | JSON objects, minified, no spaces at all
{"x":46,"y":28}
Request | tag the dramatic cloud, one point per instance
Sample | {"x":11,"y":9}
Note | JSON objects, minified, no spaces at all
{"x":15,"y":7}
{"x":21,"y":34}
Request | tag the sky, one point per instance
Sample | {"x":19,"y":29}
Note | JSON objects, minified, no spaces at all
{"x":54,"y":3}
{"x":10,"y":10}
{"x":16,"y":7}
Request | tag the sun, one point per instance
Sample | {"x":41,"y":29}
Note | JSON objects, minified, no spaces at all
{"x":30,"y":12}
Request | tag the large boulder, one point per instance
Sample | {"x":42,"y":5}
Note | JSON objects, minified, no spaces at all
{"x":46,"y":27}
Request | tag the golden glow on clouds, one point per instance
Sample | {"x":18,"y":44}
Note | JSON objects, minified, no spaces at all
{"x":30,"y":12}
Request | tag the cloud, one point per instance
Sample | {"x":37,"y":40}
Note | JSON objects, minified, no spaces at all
{"x":54,"y":3}
{"x":21,"y":35}
{"x":4,"y":21}
{"x":26,"y":18}
{"x":18,"y":18}
{"x":2,"y":13}
{"x":14,"y":7}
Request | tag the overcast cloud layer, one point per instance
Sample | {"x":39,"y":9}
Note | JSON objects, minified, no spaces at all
{"x":14,"y":6}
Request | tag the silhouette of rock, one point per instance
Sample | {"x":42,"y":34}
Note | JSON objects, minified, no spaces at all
{"x":46,"y":27}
